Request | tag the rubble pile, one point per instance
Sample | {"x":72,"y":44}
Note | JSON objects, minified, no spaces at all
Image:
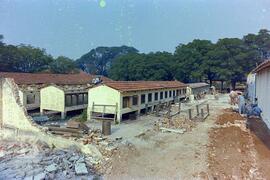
{"x":37,"y":161}
{"x":175,"y":123}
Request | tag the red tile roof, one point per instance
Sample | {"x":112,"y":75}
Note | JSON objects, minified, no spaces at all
{"x":59,"y":79}
{"x":126,"y":86}
{"x":262,"y":66}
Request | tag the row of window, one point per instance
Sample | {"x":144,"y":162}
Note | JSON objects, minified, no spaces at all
{"x":76,"y":99}
{"x":161,"y":95}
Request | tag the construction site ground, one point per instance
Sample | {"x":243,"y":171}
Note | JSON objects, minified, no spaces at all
{"x":223,"y":146}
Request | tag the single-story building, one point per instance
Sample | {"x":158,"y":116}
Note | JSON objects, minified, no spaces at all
{"x":31,"y":83}
{"x":63,"y":99}
{"x":124,"y":97}
{"x":198,"y":89}
{"x":262,"y":89}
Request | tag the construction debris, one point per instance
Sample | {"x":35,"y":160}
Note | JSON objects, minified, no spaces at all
{"x":181,"y":124}
{"x":179,"y":131}
{"x":28,"y":161}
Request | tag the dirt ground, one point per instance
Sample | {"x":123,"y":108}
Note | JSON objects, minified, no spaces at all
{"x":225,"y":146}
{"x":158,"y":155}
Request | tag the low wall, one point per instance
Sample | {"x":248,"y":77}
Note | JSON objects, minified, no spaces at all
{"x":16,"y":123}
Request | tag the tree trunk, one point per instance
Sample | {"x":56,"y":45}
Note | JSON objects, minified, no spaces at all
{"x":222,"y":85}
{"x":233,"y":84}
{"x":211,"y":82}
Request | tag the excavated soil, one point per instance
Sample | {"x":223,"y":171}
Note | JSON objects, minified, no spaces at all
{"x":237,"y":152}
{"x":228,"y":116}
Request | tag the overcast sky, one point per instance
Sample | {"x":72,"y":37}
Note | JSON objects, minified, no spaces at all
{"x":73,"y":27}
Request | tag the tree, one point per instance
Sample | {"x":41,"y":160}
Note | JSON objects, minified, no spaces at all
{"x":31,"y":59}
{"x":99,"y":60}
{"x":190,"y":58}
{"x":152,"y":66}
{"x":62,"y":65}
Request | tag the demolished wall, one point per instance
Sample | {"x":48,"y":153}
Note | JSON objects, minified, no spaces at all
{"x":14,"y":115}
{"x":16,"y":123}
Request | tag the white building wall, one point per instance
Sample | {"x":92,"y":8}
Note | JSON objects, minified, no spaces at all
{"x":263,"y":94}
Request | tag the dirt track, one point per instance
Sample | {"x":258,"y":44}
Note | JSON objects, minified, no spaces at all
{"x":159,"y":155}
{"x":219,"y":148}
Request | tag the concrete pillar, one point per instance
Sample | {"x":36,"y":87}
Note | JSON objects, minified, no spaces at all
{"x":41,"y":112}
{"x":119,"y":117}
{"x":63,"y":115}
{"x":1,"y":103}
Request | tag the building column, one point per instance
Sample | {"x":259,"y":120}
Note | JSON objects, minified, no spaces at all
{"x":41,"y":112}
{"x":63,"y":115}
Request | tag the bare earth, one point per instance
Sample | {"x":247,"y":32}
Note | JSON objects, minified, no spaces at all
{"x":219,"y":148}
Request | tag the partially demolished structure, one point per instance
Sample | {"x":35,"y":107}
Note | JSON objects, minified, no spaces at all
{"x":30,"y":84}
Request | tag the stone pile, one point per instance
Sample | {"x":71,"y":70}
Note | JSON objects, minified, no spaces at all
{"x":25,"y":161}
{"x":175,"y":123}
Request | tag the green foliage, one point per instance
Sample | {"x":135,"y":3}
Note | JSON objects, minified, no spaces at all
{"x":152,"y":66}
{"x":62,"y":65}
{"x":83,"y":116}
{"x":25,"y":58}
{"x":99,"y":60}
{"x":228,"y":60}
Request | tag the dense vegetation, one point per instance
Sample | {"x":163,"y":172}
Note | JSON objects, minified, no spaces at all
{"x":25,"y":58}
{"x":227,"y":60}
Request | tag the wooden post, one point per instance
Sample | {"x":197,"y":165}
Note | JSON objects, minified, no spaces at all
{"x":202,"y":113}
{"x":189,"y":114}
{"x":146,"y":109}
{"x":179,"y":107}
{"x":169,"y":112}
{"x":208,"y":111}
{"x":197,"y":108}
{"x":116,"y":112}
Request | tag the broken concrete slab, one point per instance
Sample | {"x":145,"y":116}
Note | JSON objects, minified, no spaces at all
{"x":81,"y":169}
{"x":51,"y":168}
{"x":40,"y":176}
{"x":179,"y":131}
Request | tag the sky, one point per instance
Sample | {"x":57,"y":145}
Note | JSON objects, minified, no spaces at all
{"x":74,"y":27}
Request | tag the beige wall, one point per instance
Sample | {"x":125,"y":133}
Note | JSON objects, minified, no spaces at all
{"x":103,"y":95}
{"x":52,"y":98}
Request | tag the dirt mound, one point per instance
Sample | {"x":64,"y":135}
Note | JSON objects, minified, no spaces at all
{"x":228,"y":116}
{"x":229,"y":154}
